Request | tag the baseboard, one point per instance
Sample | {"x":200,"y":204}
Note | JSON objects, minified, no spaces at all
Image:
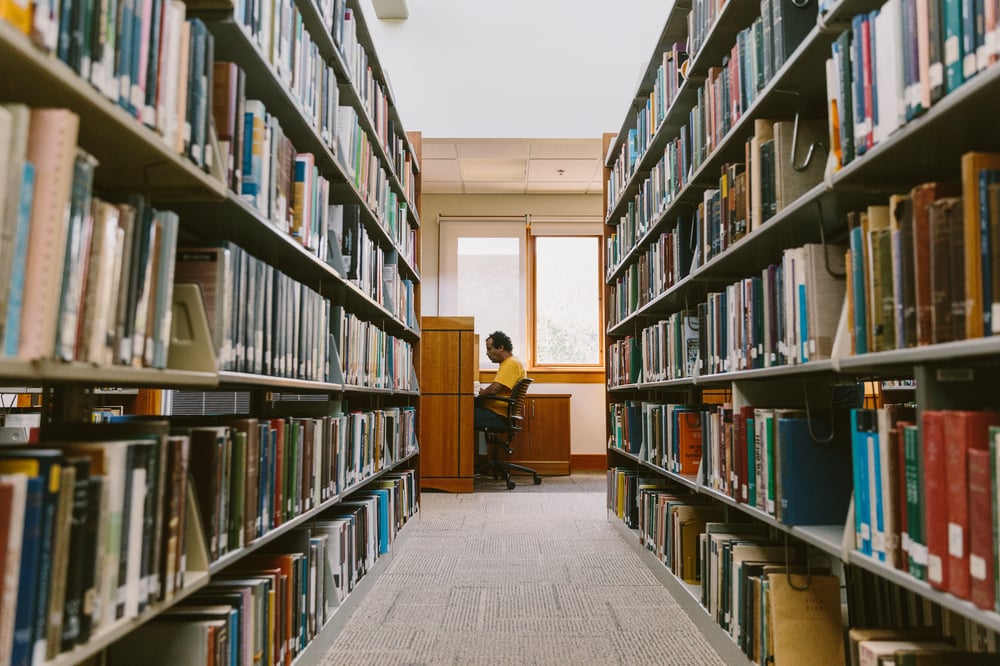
{"x":589,"y":462}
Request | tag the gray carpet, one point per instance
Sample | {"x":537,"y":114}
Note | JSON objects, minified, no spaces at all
{"x":536,"y":575}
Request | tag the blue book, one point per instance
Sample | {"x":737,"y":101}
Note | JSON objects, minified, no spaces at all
{"x":31,"y":544}
{"x":12,"y":326}
{"x":987,"y":177}
{"x":858,"y":290}
{"x":45,"y":464}
{"x":862,"y":427}
{"x":814,"y":476}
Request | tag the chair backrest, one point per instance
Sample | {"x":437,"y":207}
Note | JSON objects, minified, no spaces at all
{"x":515,"y":408}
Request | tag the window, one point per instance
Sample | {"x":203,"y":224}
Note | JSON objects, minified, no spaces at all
{"x":567,"y":304}
{"x":541,"y":287}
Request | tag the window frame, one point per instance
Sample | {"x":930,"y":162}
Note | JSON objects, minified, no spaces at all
{"x":532,"y":305}
{"x":450,"y":230}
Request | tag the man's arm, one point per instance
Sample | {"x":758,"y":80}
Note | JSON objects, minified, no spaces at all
{"x":492,"y":389}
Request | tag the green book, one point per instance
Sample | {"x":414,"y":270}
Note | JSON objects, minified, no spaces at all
{"x":916,"y":538}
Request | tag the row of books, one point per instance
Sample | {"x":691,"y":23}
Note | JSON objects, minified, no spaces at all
{"x":753,"y":586}
{"x":280,"y":34}
{"x":369,"y":356}
{"x":777,"y":607}
{"x":366,"y":172}
{"x":753,"y":191}
{"x":253,"y":475}
{"x":793,"y":468}
{"x":81,"y":279}
{"x":925,"y":268}
{"x":780,"y":317}
{"x":666,"y":262}
{"x":263,"y":166}
{"x":873,"y":91}
{"x":262,"y":321}
{"x":93,"y":533}
{"x":268,"y":607}
{"x":374,"y":95}
{"x":730,"y":89}
{"x":909,"y":512}
{"x":146,"y":57}
{"x":670,"y":75}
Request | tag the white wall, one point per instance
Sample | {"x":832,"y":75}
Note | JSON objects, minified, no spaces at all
{"x":587,"y":410}
{"x":517,"y":68}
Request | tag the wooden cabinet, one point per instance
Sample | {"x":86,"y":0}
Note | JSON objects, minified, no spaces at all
{"x":448,"y":365}
{"x":544,"y":443}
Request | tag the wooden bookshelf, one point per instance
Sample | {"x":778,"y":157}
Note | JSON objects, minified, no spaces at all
{"x":133,"y":158}
{"x":928,"y":147}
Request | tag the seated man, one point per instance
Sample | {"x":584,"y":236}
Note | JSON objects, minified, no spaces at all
{"x":493,"y":413}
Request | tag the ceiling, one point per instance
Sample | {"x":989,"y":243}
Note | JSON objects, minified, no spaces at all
{"x":511,"y":166}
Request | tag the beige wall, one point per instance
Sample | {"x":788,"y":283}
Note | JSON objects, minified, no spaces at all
{"x":587,"y":404}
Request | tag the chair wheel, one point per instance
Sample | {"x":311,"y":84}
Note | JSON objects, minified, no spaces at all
{"x":538,"y":480}
{"x":510,"y":484}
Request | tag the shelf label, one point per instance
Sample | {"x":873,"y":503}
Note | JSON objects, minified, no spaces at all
{"x":935,"y":572}
{"x":977,"y":567}
{"x":956,"y":542}
{"x":955,"y":374}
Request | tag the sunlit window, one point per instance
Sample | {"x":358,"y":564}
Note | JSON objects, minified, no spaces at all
{"x":567,"y":305}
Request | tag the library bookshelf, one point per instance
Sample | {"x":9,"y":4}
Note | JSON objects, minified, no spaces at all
{"x":784,"y":145}
{"x":263,"y":140}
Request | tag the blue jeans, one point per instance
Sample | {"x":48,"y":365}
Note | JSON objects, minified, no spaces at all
{"x":487,"y":418}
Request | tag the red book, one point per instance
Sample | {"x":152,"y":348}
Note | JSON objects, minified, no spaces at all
{"x":689,"y":442}
{"x":935,"y":498}
{"x":963,"y":431}
{"x":980,"y":529}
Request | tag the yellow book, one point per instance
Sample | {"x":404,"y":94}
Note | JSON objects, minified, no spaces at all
{"x":972,"y":164}
{"x":17,"y":13}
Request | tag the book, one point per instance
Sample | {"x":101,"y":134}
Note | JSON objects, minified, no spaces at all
{"x":804,"y":619}
{"x":51,"y":150}
{"x":972,"y":164}
{"x":13,"y":497}
{"x":922,"y":196}
{"x":936,"y":510}
{"x":813,"y":468}
{"x":981,"y":521}
{"x":963,"y":431}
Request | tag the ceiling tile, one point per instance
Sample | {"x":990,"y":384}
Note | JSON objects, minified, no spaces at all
{"x":441,"y":187}
{"x":557,"y":187}
{"x":499,"y":149}
{"x":566,"y":149}
{"x":494,"y":187}
{"x":493,"y":169}
{"x":431,"y":149}
{"x":439,"y":170}
{"x":574,"y":170}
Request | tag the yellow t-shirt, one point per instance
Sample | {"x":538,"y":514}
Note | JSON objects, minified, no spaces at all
{"x":508,"y":374}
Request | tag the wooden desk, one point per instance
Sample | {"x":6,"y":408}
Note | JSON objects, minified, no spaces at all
{"x":449,"y":363}
{"x":544,"y":442}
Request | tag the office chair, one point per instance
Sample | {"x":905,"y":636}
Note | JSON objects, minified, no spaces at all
{"x":502,"y":438}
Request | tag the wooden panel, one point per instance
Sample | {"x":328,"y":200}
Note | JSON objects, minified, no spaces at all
{"x":468,"y":360}
{"x":439,"y":440}
{"x":439,"y":362}
{"x":447,"y":323}
{"x":544,"y":443}
{"x":467,"y":436}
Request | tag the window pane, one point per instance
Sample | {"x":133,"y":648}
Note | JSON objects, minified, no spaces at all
{"x":489,"y":288}
{"x":567,"y":310}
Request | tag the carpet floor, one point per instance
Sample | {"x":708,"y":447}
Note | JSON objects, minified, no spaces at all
{"x":537,"y":575}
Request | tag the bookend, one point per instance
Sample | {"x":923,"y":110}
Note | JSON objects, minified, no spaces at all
{"x":191,"y":346}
